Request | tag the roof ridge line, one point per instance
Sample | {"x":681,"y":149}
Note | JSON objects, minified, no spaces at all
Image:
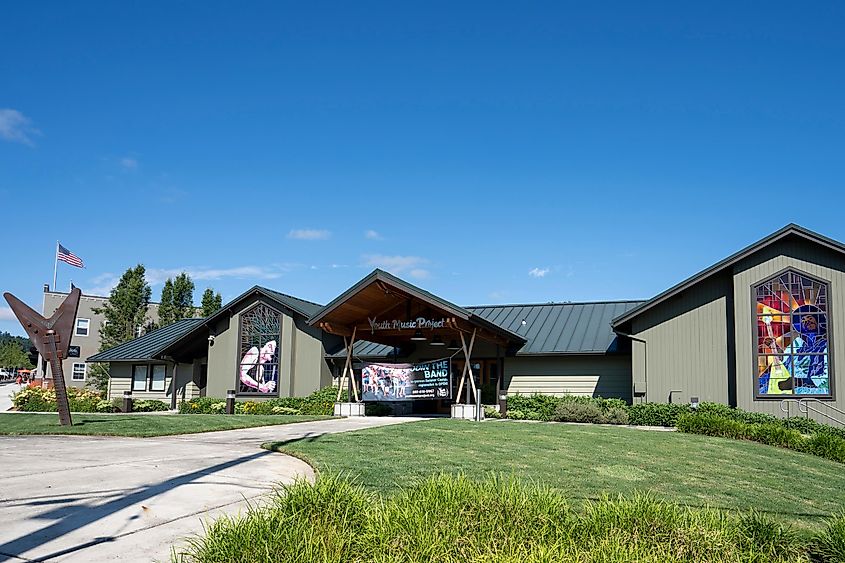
{"x":555,"y":303}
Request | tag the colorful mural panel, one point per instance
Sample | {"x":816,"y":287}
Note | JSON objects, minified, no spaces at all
{"x":792,"y":336}
{"x":258,"y":370}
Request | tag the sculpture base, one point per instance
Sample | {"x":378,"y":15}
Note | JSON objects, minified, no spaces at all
{"x":349,"y":409}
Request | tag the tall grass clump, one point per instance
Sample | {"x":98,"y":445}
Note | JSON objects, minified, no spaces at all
{"x":829,"y":546}
{"x":452,"y":519}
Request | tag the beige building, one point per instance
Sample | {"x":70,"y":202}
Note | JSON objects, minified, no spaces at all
{"x":85,"y":336}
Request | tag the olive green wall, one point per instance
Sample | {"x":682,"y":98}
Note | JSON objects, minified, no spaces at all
{"x":303,"y":368}
{"x":686,"y":354}
{"x":700,"y":343}
{"x":591,"y":376}
{"x":816,"y":261}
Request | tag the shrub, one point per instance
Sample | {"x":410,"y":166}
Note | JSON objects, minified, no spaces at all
{"x":774,"y":434}
{"x":318,"y":403}
{"x":714,"y":425}
{"x":516,"y":414}
{"x":616,"y":415}
{"x":535,"y":407}
{"x":825,"y":445}
{"x":149,"y":405}
{"x":829,"y":546}
{"x":573,"y":411}
{"x":491,"y":412}
{"x":37,"y":399}
{"x":656,"y":414}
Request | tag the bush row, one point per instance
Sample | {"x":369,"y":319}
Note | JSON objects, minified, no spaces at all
{"x":317,"y":403}
{"x":616,"y":411}
{"x":37,"y":399}
{"x":447,"y":519}
{"x":822,"y":444}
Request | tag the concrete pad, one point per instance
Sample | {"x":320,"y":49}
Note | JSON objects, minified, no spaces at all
{"x":77,"y":498}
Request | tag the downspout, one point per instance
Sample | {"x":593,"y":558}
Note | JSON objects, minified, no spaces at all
{"x":173,"y":380}
{"x":645,"y":362}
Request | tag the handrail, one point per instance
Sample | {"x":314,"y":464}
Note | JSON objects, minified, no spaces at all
{"x":804,"y":407}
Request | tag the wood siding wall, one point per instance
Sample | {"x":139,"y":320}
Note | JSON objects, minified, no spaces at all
{"x":686,"y":354}
{"x":121,"y":380}
{"x":591,"y":376}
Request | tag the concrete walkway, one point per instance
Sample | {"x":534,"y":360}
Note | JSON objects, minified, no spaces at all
{"x":77,"y":498}
{"x":6,"y":392}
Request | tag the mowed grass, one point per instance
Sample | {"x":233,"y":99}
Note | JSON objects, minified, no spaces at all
{"x":586,"y":462}
{"x":139,"y":425}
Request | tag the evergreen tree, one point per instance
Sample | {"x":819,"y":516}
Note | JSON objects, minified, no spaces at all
{"x":177,"y":300}
{"x":166,"y":311}
{"x":211,"y":302}
{"x":183,"y":297}
{"x":125,"y":312}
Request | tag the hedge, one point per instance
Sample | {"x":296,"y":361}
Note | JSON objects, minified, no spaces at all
{"x":38,"y":399}
{"x":821,"y":444}
{"x":317,"y":403}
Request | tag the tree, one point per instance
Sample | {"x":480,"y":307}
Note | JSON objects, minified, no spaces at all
{"x":11,"y":356}
{"x":211,"y":302}
{"x":125,"y":312}
{"x":166,"y":312}
{"x":177,"y":300}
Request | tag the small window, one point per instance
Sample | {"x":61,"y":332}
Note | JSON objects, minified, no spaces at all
{"x":139,"y":378}
{"x":139,"y":331}
{"x":78,"y":372}
{"x":82,"y":326}
{"x":157,"y":378}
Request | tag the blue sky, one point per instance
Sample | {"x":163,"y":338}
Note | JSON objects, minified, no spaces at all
{"x":516,"y":152}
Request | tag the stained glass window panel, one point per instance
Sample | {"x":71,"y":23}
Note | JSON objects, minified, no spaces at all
{"x":258,"y":367}
{"x":792,"y":340}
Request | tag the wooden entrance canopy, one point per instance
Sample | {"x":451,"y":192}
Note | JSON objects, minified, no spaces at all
{"x":384,"y":309}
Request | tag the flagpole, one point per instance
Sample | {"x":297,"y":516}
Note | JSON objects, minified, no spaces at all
{"x":56,"y":266}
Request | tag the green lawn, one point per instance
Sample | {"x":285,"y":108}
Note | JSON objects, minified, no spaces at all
{"x":140,"y":425}
{"x":586,"y":462}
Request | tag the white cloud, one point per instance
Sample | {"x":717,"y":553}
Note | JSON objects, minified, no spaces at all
{"x":538,"y":272}
{"x":6,"y":314}
{"x":156,"y":276}
{"x":16,"y":127}
{"x":372,"y":235}
{"x":129,"y":163}
{"x":309,"y":234}
{"x":399,"y":265}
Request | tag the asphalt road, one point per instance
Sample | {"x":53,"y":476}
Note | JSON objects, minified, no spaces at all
{"x":76,"y":498}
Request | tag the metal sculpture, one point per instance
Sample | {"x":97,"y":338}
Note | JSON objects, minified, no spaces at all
{"x":51,"y":337}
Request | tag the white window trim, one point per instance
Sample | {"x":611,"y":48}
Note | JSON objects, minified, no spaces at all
{"x":84,"y":372}
{"x":87,"y":327}
{"x":151,"y":375}
{"x":146,"y":376}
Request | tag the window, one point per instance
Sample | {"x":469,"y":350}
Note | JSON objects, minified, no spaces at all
{"x":258,"y":359}
{"x":78,"y":372}
{"x":139,"y":331}
{"x":82,"y":326}
{"x":139,"y":378}
{"x":157,"y":378}
{"x":792,"y":340}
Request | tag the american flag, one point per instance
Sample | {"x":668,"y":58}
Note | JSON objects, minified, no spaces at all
{"x":69,"y":257}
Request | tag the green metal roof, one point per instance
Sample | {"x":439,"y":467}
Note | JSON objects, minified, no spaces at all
{"x":549,"y":329}
{"x":148,"y":346}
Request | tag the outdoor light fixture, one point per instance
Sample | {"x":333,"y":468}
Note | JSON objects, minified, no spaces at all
{"x":437,"y":341}
{"x":453,"y":345}
{"x":418,"y":336}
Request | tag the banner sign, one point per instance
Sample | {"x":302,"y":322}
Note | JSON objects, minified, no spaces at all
{"x":396,"y":324}
{"x":406,"y":382}
{"x":73,"y":351}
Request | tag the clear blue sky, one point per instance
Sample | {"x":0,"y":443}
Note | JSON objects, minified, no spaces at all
{"x":613,"y":149}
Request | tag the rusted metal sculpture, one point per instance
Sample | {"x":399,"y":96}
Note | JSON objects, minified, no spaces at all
{"x":51,"y":337}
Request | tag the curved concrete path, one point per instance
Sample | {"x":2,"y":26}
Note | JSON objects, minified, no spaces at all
{"x":79,"y":498}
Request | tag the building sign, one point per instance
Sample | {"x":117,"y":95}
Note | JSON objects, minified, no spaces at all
{"x":396,"y":324}
{"x":406,"y":382}
{"x":73,"y":351}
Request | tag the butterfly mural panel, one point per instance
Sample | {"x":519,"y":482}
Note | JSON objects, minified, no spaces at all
{"x":258,"y":366}
{"x":792,"y":340}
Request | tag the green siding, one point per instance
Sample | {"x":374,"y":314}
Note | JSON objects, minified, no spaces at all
{"x":591,"y":376}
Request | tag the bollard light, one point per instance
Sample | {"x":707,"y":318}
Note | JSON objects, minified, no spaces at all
{"x":230,"y":401}
{"x":127,"y":401}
